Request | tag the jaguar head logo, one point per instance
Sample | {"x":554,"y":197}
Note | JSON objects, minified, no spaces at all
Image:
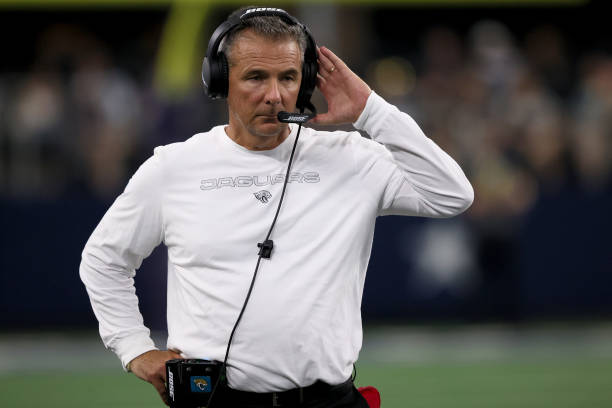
{"x":201,"y":383}
{"x":263,"y":196}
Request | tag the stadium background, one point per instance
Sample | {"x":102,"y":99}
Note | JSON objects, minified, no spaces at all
{"x":508,"y":305}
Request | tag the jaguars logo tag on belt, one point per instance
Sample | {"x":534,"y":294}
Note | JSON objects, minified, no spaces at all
{"x":200,"y":384}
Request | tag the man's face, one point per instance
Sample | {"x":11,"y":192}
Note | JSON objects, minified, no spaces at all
{"x":264,"y":79}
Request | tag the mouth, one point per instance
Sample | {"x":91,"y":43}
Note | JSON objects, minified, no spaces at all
{"x":269,"y":117}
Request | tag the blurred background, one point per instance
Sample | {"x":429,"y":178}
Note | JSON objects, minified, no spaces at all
{"x":508,"y":305}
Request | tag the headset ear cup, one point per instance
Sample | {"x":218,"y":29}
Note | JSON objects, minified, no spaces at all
{"x":215,"y":76}
{"x":206,"y":76}
{"x":308,"y":84}
{"x":223,"y":75}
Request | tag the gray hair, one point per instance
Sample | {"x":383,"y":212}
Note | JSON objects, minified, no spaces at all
{"x":270,"y":27}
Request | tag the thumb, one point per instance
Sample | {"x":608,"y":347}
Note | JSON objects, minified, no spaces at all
{"x":323,"y":119}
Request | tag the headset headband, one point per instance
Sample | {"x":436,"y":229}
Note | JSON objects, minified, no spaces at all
{"x":234,"y":21}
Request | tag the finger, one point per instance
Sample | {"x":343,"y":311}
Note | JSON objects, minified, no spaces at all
{"x":333,"y":58}
{"x":161,"y":373}
{"x":326,"y":64}
{"x":324,"y":86}
{"x":323,"y":71}
{"x":160,"y":386}
{"x":321,"y":80}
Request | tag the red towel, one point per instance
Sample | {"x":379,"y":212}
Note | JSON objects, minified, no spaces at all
{"x":371,"y":395}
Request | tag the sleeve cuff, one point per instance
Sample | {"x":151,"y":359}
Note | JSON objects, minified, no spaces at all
{"x":373,"y":112}
{"x":130,"y":348}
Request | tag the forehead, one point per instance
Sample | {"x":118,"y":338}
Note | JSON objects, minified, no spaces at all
{"x":250,"y":48}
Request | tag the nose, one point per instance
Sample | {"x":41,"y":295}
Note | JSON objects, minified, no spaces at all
{"x":273,"y":96}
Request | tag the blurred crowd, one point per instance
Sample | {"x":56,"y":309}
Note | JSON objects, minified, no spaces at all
{"x":526,"y":113}
{"x":529,"y":121}
{"x":523,"y":119}
{"x":79,"y":122}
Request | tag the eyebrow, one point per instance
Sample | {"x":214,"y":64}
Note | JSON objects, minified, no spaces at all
{"x":291,"y":71}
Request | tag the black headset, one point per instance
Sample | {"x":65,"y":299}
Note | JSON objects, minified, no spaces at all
{"x":215,"y":69}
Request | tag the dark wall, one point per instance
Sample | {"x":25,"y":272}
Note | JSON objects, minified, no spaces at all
{"x":557,"y":265}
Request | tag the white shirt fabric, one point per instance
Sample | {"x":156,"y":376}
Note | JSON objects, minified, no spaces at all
{"x":200,"y":198}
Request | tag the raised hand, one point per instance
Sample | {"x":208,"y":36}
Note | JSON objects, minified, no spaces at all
{"x":346,"y":94}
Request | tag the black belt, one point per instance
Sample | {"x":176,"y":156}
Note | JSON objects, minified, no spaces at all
{"x":290,"y":398}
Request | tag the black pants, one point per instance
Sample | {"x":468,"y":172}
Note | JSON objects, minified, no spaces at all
{"x":340,"y":396}
{"x":352,"y":399}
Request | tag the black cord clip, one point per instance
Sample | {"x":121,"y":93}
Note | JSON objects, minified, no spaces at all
{"x":265,"y":249}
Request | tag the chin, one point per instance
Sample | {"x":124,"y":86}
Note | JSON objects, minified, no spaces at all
{"x":269,"y":130}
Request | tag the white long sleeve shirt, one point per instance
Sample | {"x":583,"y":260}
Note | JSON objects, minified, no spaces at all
{"x":210,"y":201}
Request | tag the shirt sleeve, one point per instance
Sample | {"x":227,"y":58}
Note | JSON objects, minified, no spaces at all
{"x":128,"y":233}
{"x":419,"y":178}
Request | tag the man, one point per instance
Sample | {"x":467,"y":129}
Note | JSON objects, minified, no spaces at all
{"x":211,"y":198}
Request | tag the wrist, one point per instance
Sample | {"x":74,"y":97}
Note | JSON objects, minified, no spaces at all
{"x":363,"y":102}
